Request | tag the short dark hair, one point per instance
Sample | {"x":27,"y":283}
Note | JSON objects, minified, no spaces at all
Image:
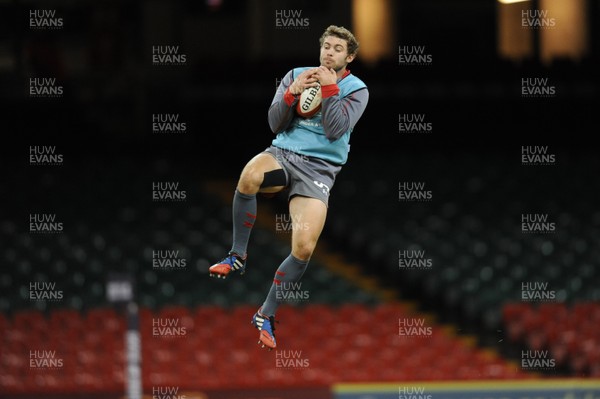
{"x":342,"y":33}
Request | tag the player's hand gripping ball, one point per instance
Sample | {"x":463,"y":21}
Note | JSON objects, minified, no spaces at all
{"x":309,"y":102}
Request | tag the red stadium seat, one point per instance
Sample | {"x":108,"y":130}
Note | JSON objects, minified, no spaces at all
{"x":349,"y":348}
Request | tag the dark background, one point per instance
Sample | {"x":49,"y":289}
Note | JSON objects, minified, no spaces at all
{"x":102,"y":57}
{"x":235,"y":54}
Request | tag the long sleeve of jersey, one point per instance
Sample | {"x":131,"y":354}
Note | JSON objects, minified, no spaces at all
{"x":341,"y":114}
{"x":281,"y":111}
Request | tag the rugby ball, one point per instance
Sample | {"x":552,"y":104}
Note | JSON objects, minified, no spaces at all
{"x":309,"y":102}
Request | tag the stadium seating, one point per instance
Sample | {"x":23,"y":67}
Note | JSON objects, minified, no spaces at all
{"x":569,"y":333}
{"x":477,"y":251}
{"x":479,"y":261}
{"x":123,"y":238}
{"x":356,"y":343}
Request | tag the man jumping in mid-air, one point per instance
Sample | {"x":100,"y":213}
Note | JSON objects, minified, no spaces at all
{"x":305,"y":157}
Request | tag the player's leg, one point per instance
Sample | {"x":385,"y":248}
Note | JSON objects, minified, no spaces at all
{"x":308,"y":218}
{"x":261,"y":173}
{"x":258,"y":171}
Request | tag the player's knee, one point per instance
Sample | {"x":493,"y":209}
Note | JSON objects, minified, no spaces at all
{"x":304,"y":249}
{"x":250,"y":181}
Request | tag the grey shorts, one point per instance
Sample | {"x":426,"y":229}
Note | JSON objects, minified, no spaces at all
{"x":306,"y":176}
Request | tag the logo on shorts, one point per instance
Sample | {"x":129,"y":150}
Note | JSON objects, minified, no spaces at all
{"x":324,"y":187}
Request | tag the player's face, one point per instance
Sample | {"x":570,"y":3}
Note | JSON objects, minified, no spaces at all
{"x":334,"y":53}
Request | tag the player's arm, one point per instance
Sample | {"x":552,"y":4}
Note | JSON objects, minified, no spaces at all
{"x":338,"y":115}
{"x":341,"y":114}
{"x":281,"y":111}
